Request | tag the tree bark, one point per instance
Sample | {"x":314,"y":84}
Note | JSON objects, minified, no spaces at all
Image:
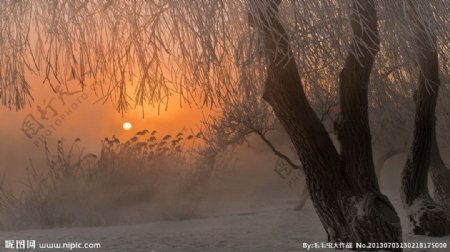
{"x":344,"y":191}
{"x":426,"y":216}
{"x":440,"y":175}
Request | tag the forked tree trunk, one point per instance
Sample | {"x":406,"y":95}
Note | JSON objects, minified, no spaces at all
{"x":426,"y":216}
{"x":344,"y":190}
{"x":440,"y":175}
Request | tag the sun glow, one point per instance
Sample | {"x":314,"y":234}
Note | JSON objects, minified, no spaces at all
{"x":127,"y":126}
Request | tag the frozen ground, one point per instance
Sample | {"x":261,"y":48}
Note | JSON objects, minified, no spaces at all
{"x":270,"y":226}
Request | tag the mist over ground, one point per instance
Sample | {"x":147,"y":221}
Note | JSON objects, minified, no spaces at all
{"x":225,"y":125}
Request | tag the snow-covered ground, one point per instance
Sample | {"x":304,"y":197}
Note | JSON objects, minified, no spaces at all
{"x":269,"y":226}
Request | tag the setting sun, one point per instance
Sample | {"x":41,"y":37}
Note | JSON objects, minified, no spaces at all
{"x":242,"y":120}
{"x":127,"y":126}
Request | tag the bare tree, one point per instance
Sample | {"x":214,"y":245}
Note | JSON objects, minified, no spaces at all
{"x":439,"y":172}
{"x":144,"y":52}
{"x":344,"y":188}
{"x":426,"y":216}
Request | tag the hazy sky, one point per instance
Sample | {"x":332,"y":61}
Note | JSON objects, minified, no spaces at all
{"x":79,"y":116}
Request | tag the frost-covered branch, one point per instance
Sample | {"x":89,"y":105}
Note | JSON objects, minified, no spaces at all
{"x":143,"y":52}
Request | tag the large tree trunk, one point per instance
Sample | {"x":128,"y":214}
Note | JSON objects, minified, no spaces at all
{"x":345,"y":190}
{"x":426,"y":216}
{"x":440,"y":175}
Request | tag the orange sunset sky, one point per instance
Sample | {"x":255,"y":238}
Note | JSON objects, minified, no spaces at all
{"x":89,"y":120}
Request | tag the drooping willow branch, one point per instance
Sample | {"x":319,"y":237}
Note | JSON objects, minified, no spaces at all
{"x":135,"y":53}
